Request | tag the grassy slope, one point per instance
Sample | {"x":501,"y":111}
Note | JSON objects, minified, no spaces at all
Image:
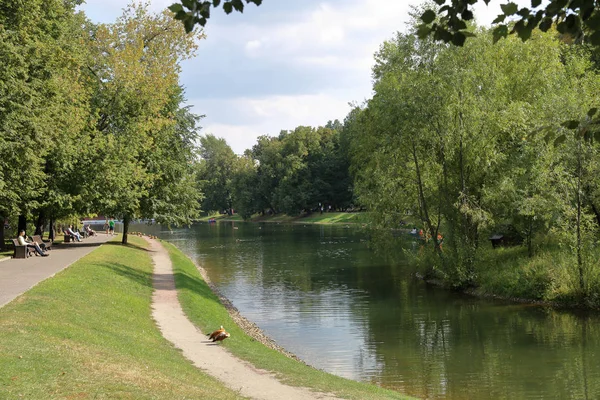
{"x":205,"y":311}
{"x":88,"y":333}
{"x":314,"y":218}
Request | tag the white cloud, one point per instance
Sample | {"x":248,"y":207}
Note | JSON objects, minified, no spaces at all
{"x":253,"y":48}
{"x":269,"y":115}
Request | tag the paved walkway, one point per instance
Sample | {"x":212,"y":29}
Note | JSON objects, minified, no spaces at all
{"x":19,"y":275}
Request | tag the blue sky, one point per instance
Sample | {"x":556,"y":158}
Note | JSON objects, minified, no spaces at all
{"x":284,"y":64}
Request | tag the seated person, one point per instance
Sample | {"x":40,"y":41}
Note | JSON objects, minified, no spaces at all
{"x":74,"y":234}
{"x":23,"y":242}
{"x":89,"y":230}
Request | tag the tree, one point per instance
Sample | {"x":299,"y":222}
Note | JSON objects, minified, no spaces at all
{"x":216,"y":171}
{"x":134,"y":103}
{"x":42,"y":102}
{"x":244,"y":186}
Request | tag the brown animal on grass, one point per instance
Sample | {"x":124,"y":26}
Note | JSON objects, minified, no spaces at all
{"x":216,"y":333}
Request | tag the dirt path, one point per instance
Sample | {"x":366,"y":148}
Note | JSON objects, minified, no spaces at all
{"x":213,"y":359}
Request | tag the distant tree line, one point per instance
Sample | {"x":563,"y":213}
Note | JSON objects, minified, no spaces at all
{"x":295,"y":172}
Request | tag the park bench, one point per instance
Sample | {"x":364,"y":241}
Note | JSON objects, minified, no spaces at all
{"x":69,"y":238}
{"x":45,"y":246}
{"x":21,"y":251}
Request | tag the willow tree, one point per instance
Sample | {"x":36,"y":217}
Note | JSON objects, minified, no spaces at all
{"x":450,"y":135}
{"x":136,"y":72}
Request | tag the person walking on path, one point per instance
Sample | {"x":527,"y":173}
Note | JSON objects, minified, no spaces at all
{"x":111,"y":226}
{"x":23,"y":242}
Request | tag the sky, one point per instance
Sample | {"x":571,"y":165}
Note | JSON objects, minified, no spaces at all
{"x":285,"y":63}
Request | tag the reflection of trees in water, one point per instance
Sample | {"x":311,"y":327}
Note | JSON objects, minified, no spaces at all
{"x":466,"y":348}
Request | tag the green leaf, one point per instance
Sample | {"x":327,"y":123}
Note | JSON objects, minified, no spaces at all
{"x":458,"y":39}
{"x":572,"y":124}
{"x":181,"y":15}
{"x":560,"y":140}
{"x":189,"y":4}
{"x":545,"y":24}
{"x":592,"y":112}
{"x":423,"y":31}
{"x":175,"y":8}
{"x":597,"y":136}
{"x":442,"y":34}
{"x":509,"y":8}
{"x":535,"y":3}
{"x":525,"y":33}
{"x":501,"y":31}
{"x":188,"y":23}
{"x":439,"y":2}
{"x":238,"y":5}
{"x":216,"y":3}
{"x":467,"y":15}
{"x":428,"y":16}
{"x":499,"y":18}
{"x":227,"y":7}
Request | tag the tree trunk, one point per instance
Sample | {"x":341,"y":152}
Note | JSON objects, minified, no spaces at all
{"x":22,"y":224}
{"x":579,"y":244}
{"x":41,"y":222}
{"x":51,"y":230}
{"x":423,"y":209}
{"x":126,"y":220}
{"x":1,"y":232}
{"x":529,"y":235}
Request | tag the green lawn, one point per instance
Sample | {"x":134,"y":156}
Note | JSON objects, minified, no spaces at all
{"x":205,"y":311}
{"x":313,"y":218}
{"x":88,"y":333}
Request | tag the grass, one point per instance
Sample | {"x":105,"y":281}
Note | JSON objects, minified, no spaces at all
{"x":88,"y":333}
{"x":205,"y":311}
{"x":313,"y":218}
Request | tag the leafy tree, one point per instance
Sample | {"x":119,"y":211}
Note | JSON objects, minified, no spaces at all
{"x":136,"y":74}
{"x":39,"y":101}
{"x":216,"y":171}
{"x":244,"y":186}
{"x":267,"y":153}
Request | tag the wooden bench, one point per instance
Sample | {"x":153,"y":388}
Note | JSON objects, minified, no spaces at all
{"x":68,"y":238}
{"x":43,"y":245}
{"x":21,"y":251}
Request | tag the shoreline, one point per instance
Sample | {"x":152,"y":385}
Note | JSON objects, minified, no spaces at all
{"x":249,"y":327}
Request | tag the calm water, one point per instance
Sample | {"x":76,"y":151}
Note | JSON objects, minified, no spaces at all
{"x":323,"y":295}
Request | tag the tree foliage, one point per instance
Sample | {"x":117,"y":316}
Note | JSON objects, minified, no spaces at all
{"x":471,"y":141}
{"x":91,"y":116}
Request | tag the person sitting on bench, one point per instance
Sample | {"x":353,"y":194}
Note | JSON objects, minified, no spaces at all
{"x":89,"y":230}
{"x":74,"y":234}
{"x":23,"y":242}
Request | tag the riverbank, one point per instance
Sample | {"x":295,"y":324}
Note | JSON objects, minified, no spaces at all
{"x":549,"y":277}
{"x":326,"y":218}
{"x":204,"y":308}
{"x":88,"y":332}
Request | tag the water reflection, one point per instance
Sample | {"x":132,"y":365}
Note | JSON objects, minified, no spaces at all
{"x":323,"y":295}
